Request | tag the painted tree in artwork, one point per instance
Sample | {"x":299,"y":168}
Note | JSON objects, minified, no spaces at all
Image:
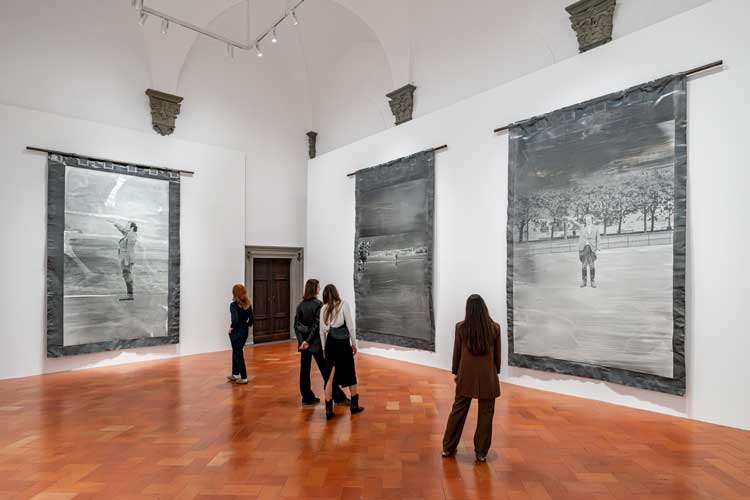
{"x":555,"y":204}
{"x":527,"y":212}
{"x":610,"y":205}
{"x":654,"y":194}
{"x":616,"y":202}
{"x":587,"y":200}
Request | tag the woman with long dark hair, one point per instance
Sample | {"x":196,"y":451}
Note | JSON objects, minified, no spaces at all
{"x":337,"y":334}
{"x":307,"y":330}
{"x":476,"y":365}
{"x":242,"y":319}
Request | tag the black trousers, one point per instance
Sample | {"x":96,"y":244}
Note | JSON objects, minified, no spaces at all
{"x":238,"y":340}
{"x":457,"y":418}
{"x":304,"y":376}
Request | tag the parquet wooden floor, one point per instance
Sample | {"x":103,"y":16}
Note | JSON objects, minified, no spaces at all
{"x":174,"y":429}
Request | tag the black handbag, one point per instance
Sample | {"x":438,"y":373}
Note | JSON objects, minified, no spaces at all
{"x":339,"y":332}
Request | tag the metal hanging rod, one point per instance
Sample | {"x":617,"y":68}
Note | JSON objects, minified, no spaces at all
{"x":689,"y":72}
{"x":703,"y":68}
{"x":434,"y":150}
{"x":86,"y":157}
{"x":244,"y":46}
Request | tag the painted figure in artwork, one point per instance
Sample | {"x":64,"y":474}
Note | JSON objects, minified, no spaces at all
{"x":363,"y":250}
{"x":126,"y":254}
{"x":588,"y":246}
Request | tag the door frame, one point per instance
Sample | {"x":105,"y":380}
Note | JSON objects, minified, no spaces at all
{"x":296,"y":257}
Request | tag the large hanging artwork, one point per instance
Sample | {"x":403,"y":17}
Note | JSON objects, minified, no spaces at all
{"x":596,"y":238}
{"x":113,"y":256}
{"x":393,"y":252}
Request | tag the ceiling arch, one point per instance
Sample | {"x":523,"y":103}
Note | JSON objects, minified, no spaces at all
{"x":450,"y":50}
{"x":170,"y":53}
{"x":327,"y":30}
{"x":391,"y":31}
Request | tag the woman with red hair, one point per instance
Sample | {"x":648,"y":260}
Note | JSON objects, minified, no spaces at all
{"x":242,"y":319}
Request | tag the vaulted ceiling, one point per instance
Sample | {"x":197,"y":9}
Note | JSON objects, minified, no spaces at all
{"x":329,"y":74}
{"x":346,"y":54}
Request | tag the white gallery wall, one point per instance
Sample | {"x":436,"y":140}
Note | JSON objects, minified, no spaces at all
{"x":359,"y":50}
{"x":212,"y":234}
{"x":74,"y":77}
{"x":90,"y":59}
{"x":471,"y":203}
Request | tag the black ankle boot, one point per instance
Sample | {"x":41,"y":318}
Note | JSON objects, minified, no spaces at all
{"x":329,"y":410}
{"x":355,"y":408}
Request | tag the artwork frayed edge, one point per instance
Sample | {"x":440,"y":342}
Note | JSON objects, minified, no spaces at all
{"x":397,"y":340}
{"x":677,"y":384}
{"x":56,"y":347}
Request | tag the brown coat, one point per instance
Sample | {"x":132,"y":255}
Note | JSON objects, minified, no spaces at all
{"x":476,"y":375}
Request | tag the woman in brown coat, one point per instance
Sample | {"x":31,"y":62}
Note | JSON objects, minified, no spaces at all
{"x":476,"y":365}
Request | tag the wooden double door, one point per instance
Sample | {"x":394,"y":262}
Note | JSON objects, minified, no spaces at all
{"x":271,"y":300}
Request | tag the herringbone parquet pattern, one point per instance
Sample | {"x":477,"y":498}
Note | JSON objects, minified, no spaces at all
{"x":174,"y":429}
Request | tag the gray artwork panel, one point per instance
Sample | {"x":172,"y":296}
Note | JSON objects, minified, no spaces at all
{"x":113,"y":235}
{"x":621,"y":160}
{"x":393,"y":251}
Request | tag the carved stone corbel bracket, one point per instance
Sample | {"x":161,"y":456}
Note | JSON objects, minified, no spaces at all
{"x":164,"y":110}
{"x":402,"y":103}
{"x":592,"y":20}
{"x":312,"y":137}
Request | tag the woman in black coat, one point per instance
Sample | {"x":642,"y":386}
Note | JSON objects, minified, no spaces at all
{"x":242,"y":319}
{"x":307,"y":330}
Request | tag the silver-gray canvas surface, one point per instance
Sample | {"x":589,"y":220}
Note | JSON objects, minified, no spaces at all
{"x":393,"y":252}
{"x":622,"y":159}
{"x":87,"y":201}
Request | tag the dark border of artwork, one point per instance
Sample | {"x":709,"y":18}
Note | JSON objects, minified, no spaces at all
{"x":388,"y":338}
{"x":56,"y":165}
{"x":677,"y":384}
{"x":397,"y":340}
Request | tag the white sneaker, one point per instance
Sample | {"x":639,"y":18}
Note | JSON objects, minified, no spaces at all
{"x":233,"y":378}
{"x":241,"y":381}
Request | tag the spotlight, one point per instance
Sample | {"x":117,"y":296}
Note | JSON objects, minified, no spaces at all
{"x":258,"y":51}
{"x":142,"y":20}
{"x":164,"y":26}
{"x":295,"y":21}
{"x":230,"y":50}
{"x":273,"y":36}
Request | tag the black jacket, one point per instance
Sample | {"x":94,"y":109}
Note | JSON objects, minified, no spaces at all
{"x":307,"y":323}
{"x":242,"y":319}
